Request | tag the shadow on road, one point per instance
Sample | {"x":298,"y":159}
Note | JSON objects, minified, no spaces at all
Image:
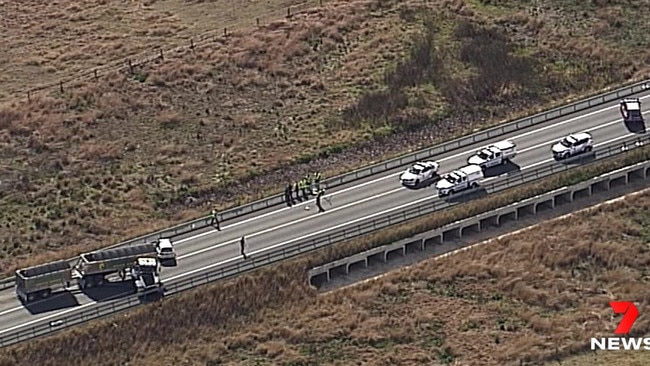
{"x":151,"y":297}
{"x":110,"y":291}
{"x":579,"y":159}
{"x":425,"y":184}
{"x":57,"y":301}
{"x":498,"y":170}
{"x":467,"y":196}
{"x":169,"y":262}
{"x":636,"y":127}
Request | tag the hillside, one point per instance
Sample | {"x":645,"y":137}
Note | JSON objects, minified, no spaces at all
{"x":328,"y":89}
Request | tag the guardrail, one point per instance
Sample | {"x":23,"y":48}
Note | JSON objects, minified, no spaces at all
{"x":260,"y":260}
{"x":426,"y":153}
{"x":435,"y":238}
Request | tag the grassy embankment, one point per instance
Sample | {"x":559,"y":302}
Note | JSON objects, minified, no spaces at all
{"x":535,"y":297}
{"x":331,"y":89}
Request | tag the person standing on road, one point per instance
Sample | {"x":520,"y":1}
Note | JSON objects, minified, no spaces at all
{"x":287,"y":195}
{"x":242,"y":243}
{"x":308,"y":183}
{"x":317,"y":177}
{"x":290,"y":193}
{"x":296,"y":188}
{"x":215,"y":219}
{"x":303,"y":188}
{"x":318,"y":198}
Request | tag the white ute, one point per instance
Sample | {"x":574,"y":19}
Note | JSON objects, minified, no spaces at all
{"x":573,"y":144}
{"x":165,"y":249}
{"x":419,"y":172}
{"x":495,"y":154}
{"x":631,"y":110}
{"x":466,"y":177}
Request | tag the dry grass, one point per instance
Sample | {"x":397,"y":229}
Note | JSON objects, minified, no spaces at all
{"x":46,"y":41}
{"x":537,"y":296}
{"x":229,"y":122}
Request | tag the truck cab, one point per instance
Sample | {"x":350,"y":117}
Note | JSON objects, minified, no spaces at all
{"x":631,"y":110}
{"x":146,"y":274}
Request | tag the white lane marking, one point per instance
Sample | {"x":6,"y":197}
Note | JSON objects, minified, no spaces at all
{"x":371,"y":198}
{"x":398,"y":173}
{"x":76,"y":308}
{"x":595,"y":145}
{"x":364,"y":200}
{"x":292,"y":222}
{"x":331,"y":228}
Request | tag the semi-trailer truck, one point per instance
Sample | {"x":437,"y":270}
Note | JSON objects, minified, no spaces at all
{"x":138,"y":262}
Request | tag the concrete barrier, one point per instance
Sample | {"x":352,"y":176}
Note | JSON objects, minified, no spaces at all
{"x":528,"y":207}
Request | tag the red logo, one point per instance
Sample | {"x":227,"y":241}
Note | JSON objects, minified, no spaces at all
{"x":630,"y":313}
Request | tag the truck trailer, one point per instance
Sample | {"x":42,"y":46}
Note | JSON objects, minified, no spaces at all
{"x":93,"y":268}
{"x":39,"y":282}
{"x":139,"y":262}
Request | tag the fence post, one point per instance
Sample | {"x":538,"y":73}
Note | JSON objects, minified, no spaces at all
{"x":257,"y":20}
{"x":161,"y":54}
{"x":95,"y":72}
{"x":29,"y":95}
{"x":320,"y":2}
{"x":130,"y":66}
{"x":192,"y":44}
{"x":61,"y":86}
{"x":289,"y":12}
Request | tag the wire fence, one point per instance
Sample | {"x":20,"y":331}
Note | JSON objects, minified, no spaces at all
{"x":175,"y":48}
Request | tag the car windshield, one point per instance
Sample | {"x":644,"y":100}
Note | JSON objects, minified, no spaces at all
{"x":566,"y":142}
{"x":415,"y":170}
{"x":484,"y":154}
{"x":452,"y":178}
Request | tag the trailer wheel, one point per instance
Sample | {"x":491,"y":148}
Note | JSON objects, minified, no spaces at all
{"x":46,"y":293}
{"x":31,"y":297}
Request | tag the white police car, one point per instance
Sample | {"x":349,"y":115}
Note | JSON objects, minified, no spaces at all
{"x":419,"y":172}
{"x":573,"y":144}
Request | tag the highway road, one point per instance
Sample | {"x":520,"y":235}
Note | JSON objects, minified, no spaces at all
{"x":350,"y":205}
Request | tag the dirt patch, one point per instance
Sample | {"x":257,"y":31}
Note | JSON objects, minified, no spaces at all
{"x":330,"y":89}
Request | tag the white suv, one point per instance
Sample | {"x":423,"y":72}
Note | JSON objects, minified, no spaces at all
{"x":165,"y":249}
{"x":573,"y":144}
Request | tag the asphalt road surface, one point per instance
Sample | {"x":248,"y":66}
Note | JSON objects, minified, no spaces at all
{"x":346,"y":206}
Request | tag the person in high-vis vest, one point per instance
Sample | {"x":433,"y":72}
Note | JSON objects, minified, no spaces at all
{"x":214,"y":219}
{"x":317,"y":182}
{"x":308,"y":183}
{"x":305,"y":188}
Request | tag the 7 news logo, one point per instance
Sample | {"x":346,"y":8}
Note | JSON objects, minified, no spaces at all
{"x":630,"y":314}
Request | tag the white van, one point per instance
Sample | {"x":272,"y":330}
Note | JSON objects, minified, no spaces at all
{"x":466,"y":177}
{"x":165,"y":249}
